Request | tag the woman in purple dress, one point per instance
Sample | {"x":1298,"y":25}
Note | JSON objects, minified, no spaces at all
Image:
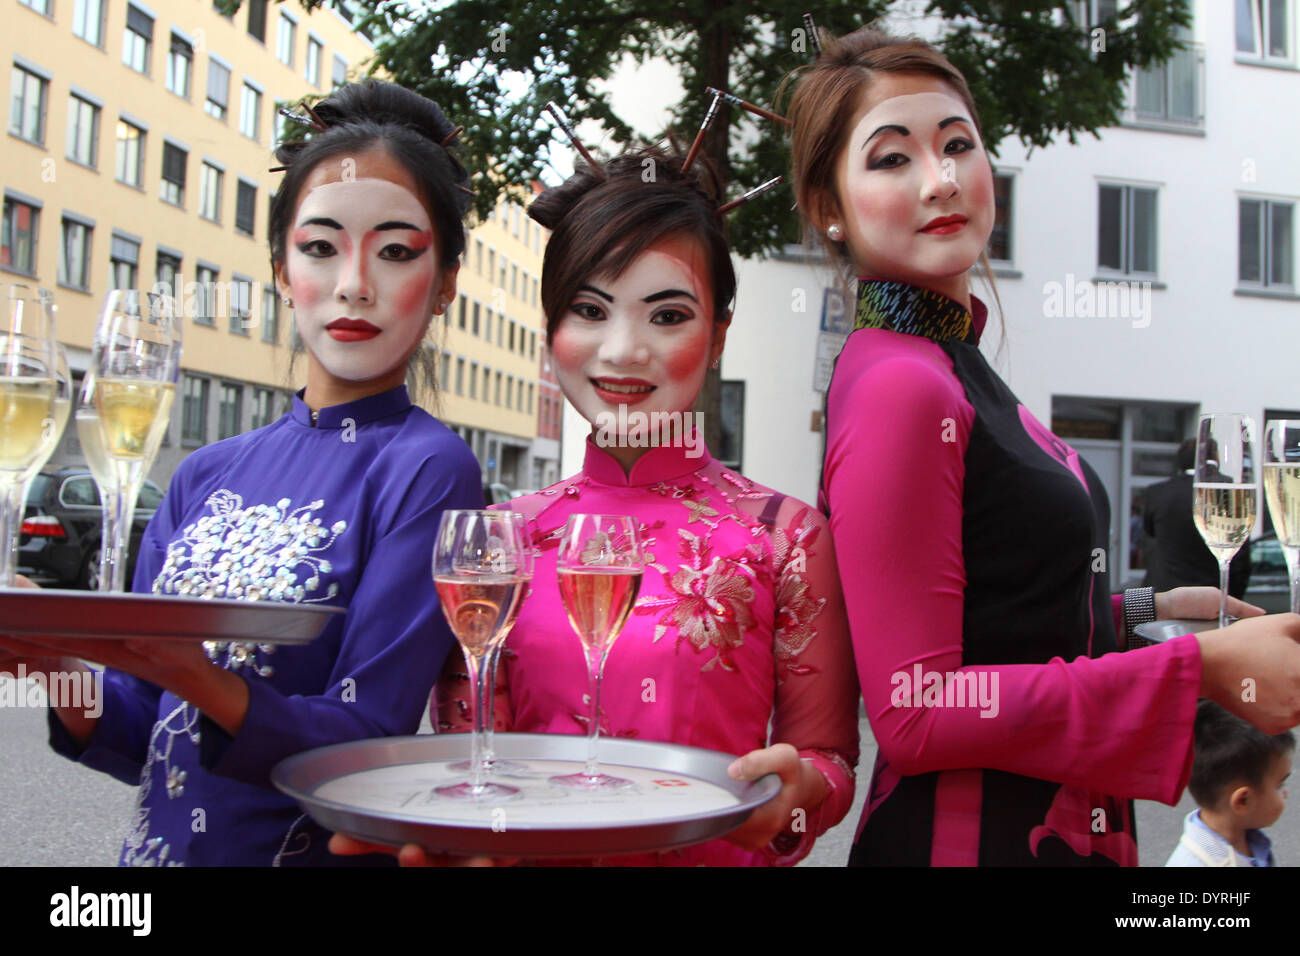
{"x":336,"y":503}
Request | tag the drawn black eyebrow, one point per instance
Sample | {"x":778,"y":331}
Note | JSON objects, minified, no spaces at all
{"x":904,"y":131}
{"x":321,"y":221}
{"x":669,"y":294}
{"x":591,"y":288}
{"x":397,"y":224}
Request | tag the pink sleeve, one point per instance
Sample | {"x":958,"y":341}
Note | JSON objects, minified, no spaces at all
{"x":894,"y":476}
{"x":817,"y":688}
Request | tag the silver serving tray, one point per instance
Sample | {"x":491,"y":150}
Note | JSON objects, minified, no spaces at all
{"x":402,"y":808}
{"x":1157,"y":632}
{"x":153,"y":616}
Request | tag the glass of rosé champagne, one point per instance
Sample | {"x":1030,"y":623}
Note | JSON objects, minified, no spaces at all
{"x":482,"y":565}
{"x":599,"y":569}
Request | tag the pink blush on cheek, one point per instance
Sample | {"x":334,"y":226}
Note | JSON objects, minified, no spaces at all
{"x":413,"y":293}
{"x":686,"y":361}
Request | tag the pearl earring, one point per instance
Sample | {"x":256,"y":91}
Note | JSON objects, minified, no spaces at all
{"x":835,"y":232}
{"x":288,"y":301}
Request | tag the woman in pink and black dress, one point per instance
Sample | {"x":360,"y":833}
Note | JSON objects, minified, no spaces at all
{"x":740,"y":620}
{"x":967,"y":534}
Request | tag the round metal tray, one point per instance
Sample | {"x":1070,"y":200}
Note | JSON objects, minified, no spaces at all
{"x":128,"y":616}
{"x":1157,"y":632}
{"x":383,"y":791}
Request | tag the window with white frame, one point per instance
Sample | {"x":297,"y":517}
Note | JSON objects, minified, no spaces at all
{"x":1171,"y":92}
{"x":27,"y":105}
{"x":1265,"y":244}
{"x":1264,"y":29}
{"x":18,"y":236}
{"x":88,"y":21}
{"x":340,"y":73}
{"x":194,"y":410}
{"x":263,"y":407}
{"x":257,"y":19}
{"x":74,"y":254}
{"x":241,"y":304}
{"x":40,"y":6}
{"x":180,"y":66}
{"x":123,"y":262}
{"x":210,"y":192}
{"x":205,"y":278}
{"x":270,"y":316}
{"x":83,"y":131}
{"x":1126,"y":230}
{"x":128,"y":165}
{"x":245,"y":207}
{"x":218,"y":99}
{"x":311,"y":69}
{"x":172,"y":187}
{"x":284,"y":39}
{"x":166,"y":268}
{"x":137,"y":39}
{"x":250,"y":111}
{"x":1000,"y":247}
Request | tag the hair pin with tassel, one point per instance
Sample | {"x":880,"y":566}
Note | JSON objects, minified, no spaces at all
{"x":756,"y":191}
{"x":813,"y":39}
{"x":744,"y":105}
{"x":563,"y":123}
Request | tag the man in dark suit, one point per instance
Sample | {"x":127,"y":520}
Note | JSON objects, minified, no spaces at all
{"x":1179,"y":556}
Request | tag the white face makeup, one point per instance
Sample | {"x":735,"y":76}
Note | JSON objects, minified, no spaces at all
{"x":915,"y":185}
{"x":362,"y":263}
{"x":643,"y":339}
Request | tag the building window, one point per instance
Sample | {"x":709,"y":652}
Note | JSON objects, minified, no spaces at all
{"x":245,"y":207}
{"x":497,"y":399}
{"x":473,"y":379}
{"x":137,"y":38}
{"x":340,"y":73}
{"x":18,"y":239}
{"x":461,"y":319}
{"x":241,"y":304}
{"x":1170,"y":92}
{"x":27,"y":105}
{"x":180,"y":65}
{"x":312,"y":69}
{"x":478,"y":256}
{"x":460,"y":377}
{"x":40,"y":6}
{"x":263,"y":407}
{"x":123,"y":263}
{"x":514,"y":278}
{"x":194,"y":410}
{"x":218,"y":90}
{"x":172,"y":188}
{"x":1265,"y":247}
{"x":732,"y":408}
{"x":129,"y":165}
{"x":88,"y":20}
{"x":205,"y":294}
{"x":532,"y":345}
{"x":284,"y":40}
{"x":230,"y":410}
{"x":475,"y":323}
{"x":83,"y":131}
{"x":250,"y":111}
{"x":74,"y":255}
{"x":210,"y":192}
{"x":270,"y":316}
{"x":165,"y":270}
{"x":1000,"y":248}
{"x":1126,"y":235}
{"x":501,"y":330}
{"x":257,"y":19}
{"x":1264,"y":29}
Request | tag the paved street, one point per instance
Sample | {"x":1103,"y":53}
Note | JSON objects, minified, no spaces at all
{"x":55,"y":813}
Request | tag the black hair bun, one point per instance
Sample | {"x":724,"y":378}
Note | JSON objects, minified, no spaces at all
{"x":385,"y":103}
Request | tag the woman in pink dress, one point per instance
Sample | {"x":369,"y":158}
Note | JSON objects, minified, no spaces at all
{"x":740,"y":621}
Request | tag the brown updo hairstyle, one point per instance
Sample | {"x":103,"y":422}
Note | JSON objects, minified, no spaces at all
{"x":829,"y":92}
{"x":600,"y":223}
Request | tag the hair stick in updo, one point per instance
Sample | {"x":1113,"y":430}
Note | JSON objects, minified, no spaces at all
{"x":745,"y":105}
{"x":704,"y":128}
{"x":562,"y":121}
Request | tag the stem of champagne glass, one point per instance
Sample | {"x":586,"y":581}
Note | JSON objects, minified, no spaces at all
{"x":119,"y":534}
{"x":11,"y":521}
{"x":595,"y":667}
{"x":477,"y":672}
{"x":1292,"y":556}
{"x":1223,"y":591}
{"x":490,"y":717}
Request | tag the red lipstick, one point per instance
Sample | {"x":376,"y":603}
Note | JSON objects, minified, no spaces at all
{"x":351,"y":330}
{"x":944,"y":225}
{"x":623,"y":391}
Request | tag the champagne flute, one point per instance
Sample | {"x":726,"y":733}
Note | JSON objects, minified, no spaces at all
{"x":52,"y":430}
{"x":482,"y":565}
{"x":1281,"y":478}
{"x":136,"y":362}
{"x":1225,"y":490}
{"x":91,"y":437}
{"x":28,"y":387}
{"x":599,"y":569}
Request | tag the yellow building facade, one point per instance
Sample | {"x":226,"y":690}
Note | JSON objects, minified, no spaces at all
{"x":139,"y":142}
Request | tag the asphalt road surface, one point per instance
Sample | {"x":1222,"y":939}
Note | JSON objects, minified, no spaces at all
{"x":56,"y":813}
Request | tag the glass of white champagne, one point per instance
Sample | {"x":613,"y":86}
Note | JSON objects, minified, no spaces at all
{"x":482,"y":565}
{"x":599,"y":569}
{"x":52,"y":431}
{"x":28,"y":389}
{"x":137,"y":357}
{"x":1225,"y":490}
{"x":1281,"y":477}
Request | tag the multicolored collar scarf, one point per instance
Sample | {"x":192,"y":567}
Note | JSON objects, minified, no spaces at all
{"x":899,"y":307}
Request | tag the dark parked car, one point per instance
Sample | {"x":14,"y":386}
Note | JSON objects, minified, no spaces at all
{"x":59,"y":542}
